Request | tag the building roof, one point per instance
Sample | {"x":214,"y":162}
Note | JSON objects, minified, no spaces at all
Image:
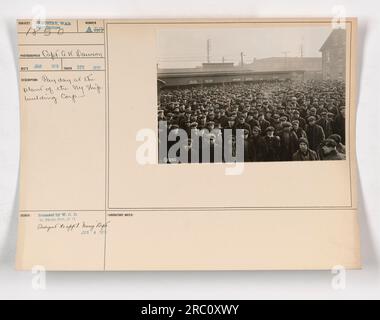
{"x":336,"y":38}
{"x":286,"y":63}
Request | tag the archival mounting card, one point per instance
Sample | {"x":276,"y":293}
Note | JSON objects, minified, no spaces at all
{"x":187,"y":144}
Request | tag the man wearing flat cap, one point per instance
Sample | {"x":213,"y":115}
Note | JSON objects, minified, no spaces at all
{"x":304,"y":153}
{"x":263,"y":123}
{"x":314,"y":132}
{"x":302,"y":122}
{"x":288,"y":142}
{"x":210,"y":125}
{"x":297,"y":130}
{"x":241,"y":124}
{"x":340,"y":123}
{"x":256,"y":144}
{"x":270,"y":146}
{"x":340,"y":147}
{"x":330,"y":152}
{"x":325,"y":123}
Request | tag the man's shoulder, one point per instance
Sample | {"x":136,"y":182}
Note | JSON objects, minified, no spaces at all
{"x":313,"y":153}
{"x":296,"y":155}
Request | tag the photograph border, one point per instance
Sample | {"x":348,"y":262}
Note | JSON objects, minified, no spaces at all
{"x":349,"y":89}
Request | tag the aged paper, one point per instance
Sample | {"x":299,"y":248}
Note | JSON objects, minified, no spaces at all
{"x":91,"y":198}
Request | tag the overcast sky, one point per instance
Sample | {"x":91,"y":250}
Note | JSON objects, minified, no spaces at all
{"x":180,"y":48}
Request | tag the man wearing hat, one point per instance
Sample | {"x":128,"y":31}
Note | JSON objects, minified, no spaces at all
{"x":288,"y":142}
{"x":185,"y":119}
{"x":264,"y":124}
{"x":296,"y":116}
{"x":210,"y":125}
{"x":161,"y":115}
{"x":241,"y":124}
{"x":252,"y":119}
{"x":314,"y":132}
{"x":247,"y":147}
{"x":304,"y":153}
{"x":340,"y":123}
{"x":293,"y":102}
{"x":325,"y":123}
{"x":330,"y":152}
{"x":340,"y":147}
{"x":313,"y":112}
{"x":202,"y":122}
{"x":256,"y":144}
{"x":193,"y":129}
{"x":270,"y":146}
{"x":275,"y":123}
{"x":297,"y":130}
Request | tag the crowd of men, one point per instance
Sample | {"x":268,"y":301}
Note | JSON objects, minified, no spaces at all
{"x":280,"y":120}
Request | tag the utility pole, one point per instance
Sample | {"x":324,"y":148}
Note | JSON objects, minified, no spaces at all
{"x":302,"y":48}
{"x":208,"y":50}
{"x":241,"y":58}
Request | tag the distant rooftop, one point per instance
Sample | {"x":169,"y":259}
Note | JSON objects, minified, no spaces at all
{"x":336,"y":38}
{"x":272,"y":64}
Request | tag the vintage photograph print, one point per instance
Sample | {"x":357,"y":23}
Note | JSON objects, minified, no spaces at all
{"x":251,"y":94}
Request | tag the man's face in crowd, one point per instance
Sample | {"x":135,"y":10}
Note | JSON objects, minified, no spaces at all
{"x":231,"y":123}
{"x":241,"y":120}
{"x":270,"y":134}
{"x":303,"y":147}
{"x":255,"y":132}
{"x":296,"y":126}
{"x":312,"y":122}
{"x":343,"y":112}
